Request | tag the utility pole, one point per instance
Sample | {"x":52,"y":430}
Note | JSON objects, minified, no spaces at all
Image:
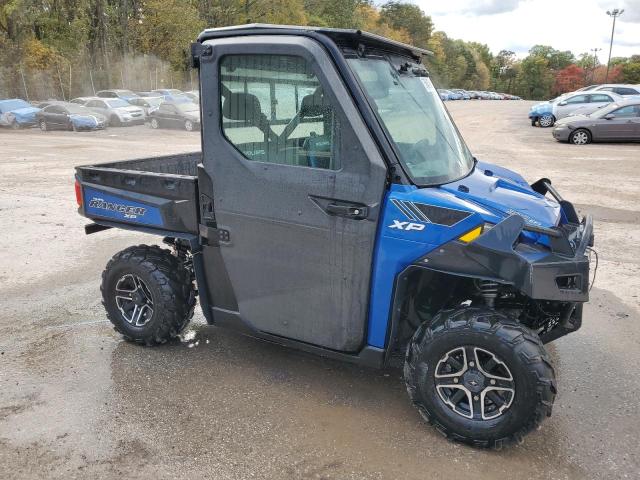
{"x":615,"y":13}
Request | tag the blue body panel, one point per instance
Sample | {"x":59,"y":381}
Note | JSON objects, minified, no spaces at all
{"x":488,"y":195}
{"x":105,"y":205}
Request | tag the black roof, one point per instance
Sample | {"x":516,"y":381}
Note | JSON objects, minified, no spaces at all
{"x":342,"y":37}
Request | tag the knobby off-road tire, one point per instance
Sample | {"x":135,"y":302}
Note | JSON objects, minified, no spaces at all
{"x":158,"y":283}
{"x":519,"y":354}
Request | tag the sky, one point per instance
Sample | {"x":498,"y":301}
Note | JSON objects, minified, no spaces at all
{"x":517,"y":25}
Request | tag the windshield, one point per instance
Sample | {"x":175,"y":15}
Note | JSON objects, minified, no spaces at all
{"x":602,"y":111}
{"x":115,"y":103}
{"x":407,"y":104}
{"x":126,"y":93}
{"x":13,"y":105}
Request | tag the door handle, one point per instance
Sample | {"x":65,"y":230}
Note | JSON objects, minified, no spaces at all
{"x":350,"y":211}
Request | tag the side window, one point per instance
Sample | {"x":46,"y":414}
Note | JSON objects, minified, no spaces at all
{"x":625,"y":91}
{"x":578,"y":99}
{"x":274,"y":110}
{"x":599,"y":98}
{"x":628,"y":111}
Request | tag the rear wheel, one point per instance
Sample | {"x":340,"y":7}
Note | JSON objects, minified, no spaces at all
{"x":479,"y":377}
{"x":546,"y":121}
{"x":148,"y":294}
{"x":43,"y":125}
{"x":188,"y":126}
{"x":154,"y":123}
{"x":580,"y":137}
{"x":114,"y":121}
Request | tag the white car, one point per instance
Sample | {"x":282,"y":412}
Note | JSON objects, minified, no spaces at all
{"x":578,"y":103}
{"x":117,"y":111}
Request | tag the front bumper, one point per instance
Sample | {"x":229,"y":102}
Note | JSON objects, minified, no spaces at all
{"x":560,"y":273}
{"x":561,"y":133}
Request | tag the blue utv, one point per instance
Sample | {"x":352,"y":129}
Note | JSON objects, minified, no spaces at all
{"x":336,"y":209}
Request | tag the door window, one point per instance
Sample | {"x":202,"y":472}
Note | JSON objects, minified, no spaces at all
{"x":54,"y":109}
{"x":625,"y":91}
{"x":628,"y":111}
{"x":599,"y":98}
{"x":274,"y":110}
{"x":578,"y":99}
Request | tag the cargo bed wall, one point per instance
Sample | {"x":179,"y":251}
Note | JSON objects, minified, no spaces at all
{"x":157,"y":192}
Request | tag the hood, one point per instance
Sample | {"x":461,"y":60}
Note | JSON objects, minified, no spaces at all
{"x":572,"y":119}
{"x":497,"y":192}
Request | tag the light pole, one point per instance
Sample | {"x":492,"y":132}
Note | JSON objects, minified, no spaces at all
{"x":615,"y":13}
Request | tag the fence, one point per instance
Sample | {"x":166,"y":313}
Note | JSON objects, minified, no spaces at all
{"x":67,"y":81}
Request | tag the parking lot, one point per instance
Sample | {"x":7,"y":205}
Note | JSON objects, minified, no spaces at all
{"x":78,"y":402}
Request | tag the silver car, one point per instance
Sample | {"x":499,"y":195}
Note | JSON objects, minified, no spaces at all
{"x":117,"y":111}
{"x":619,"y":121}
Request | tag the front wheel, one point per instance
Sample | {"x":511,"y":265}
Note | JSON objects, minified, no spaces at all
{"x":580,"y":137}
{"x":149,"y":295}
{"x":43,"y":125}
{"x":188,"y":126}
{"x":546,"y":121}
{"x":154,"y":123}
{"x":15,"y":125}
{"x":479,"y":377}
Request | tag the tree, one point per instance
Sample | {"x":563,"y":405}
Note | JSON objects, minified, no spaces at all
{"x":569,"y":79}
{"x":631,"y":72}
{"x":408,"y":17}
{"x":535,"y":77}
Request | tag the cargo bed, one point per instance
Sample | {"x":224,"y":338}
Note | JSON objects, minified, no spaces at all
{"x":156,"y":192}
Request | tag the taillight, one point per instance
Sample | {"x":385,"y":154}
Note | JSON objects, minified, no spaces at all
{"x":78,"y":193}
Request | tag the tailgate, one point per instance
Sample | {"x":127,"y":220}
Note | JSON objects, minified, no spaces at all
{"x":157,"y":192}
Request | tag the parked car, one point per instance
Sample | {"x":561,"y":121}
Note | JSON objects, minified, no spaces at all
{"x":17,"y":113}
{"x":117,"y":111}
{"x":172,"y":95}
{"x":624,"y":90}
{"x":194,"y":95}
{"x":148,"y":104}
{"x":125,"y":95}
{"x":69,"y":116}
{"x":547,"y":113}
{"x":619,"y":121}
{"x":464,"y":95}
{"x":176,"y":115}
{"x":444,"y":94}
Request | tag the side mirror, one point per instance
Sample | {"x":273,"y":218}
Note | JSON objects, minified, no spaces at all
{"x":563,"y":103}
{"x":609,"y":116}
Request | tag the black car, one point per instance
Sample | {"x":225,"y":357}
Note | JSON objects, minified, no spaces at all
{"x":69,"y":116}
{"x":176,"y":115}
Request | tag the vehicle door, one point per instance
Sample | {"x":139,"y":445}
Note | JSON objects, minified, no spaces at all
{"x":597,"y":101}
{"x":620,"y":124}
{"x":56,"y":117}
{"x":296,"y":185}
{"x":576,"y":104}
{"x":165,"y":115}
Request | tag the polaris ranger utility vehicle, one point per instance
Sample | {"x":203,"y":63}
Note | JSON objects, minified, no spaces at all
{"x":335,"y":208}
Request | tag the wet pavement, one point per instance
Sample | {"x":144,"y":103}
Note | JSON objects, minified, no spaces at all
{"x":78,"y":402}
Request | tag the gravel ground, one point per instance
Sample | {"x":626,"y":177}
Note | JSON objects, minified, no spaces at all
{"x":77,"y":402}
